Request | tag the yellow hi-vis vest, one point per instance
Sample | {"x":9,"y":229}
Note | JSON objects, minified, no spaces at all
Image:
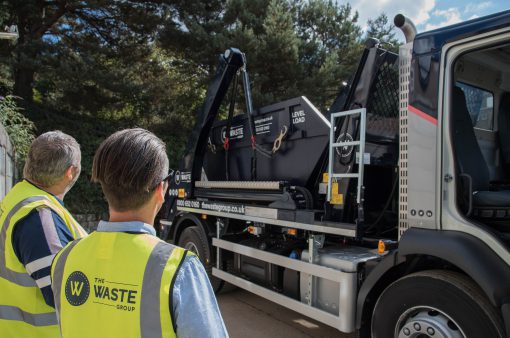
{"x":114,"y":284}
{"x":23,"y":311}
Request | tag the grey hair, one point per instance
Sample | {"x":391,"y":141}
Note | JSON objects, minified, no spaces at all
{"x":50,"y":155}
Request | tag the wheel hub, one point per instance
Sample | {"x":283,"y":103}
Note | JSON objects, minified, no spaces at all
{"x":426,"y":322}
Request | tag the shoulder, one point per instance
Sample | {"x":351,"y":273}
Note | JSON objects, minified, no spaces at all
{"x":41,"y":215}
{"x":191,"y":269}
{"x":34,"y":221}
{"x":25,"y":232}
{"x":41,"y":227}
{"x":54,"y":225}
{"x":165,"y":249}
{"x":160,"y":253}
{"x":32,"y":217}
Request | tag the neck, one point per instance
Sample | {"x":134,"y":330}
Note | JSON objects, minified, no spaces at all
{"x":55,"y":190}
{"x":141,"y":215}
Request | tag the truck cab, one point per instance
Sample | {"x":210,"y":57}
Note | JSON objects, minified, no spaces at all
{"x":389,"y":214}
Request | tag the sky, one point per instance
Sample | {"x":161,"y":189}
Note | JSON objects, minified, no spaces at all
{"x":428,"y":14}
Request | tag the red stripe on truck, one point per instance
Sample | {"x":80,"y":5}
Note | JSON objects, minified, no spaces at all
{"x":422,"y":114}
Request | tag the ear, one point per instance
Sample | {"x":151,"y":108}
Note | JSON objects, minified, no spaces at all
{"x":70,"y":173}
{"x":160,"y":192}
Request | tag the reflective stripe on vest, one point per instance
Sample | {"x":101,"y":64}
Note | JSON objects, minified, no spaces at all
{"x":150,"y":320}
{"x":156,"y":260}
{"x":39,"y":319}
{"x":20,"y":278}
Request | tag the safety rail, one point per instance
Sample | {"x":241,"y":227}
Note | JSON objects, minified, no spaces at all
{"x":360,"y":143}
{"x":346,"y":280}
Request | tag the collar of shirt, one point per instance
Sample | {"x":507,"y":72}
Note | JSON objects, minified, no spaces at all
{"x":132,"y":226}
{"x":58,"y":199}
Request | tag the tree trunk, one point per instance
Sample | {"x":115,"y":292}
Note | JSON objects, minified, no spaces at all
{"x":32,"y":27}
{"x":23,"y":81}
{"x":25,"y":56}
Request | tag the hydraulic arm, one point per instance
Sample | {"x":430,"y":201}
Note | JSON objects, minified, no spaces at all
{"x":230,"y":63}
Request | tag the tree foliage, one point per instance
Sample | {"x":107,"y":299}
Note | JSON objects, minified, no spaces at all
{"x":330,"y":48}
{"x":381,"y":29}
{"x":67,"y":30}
{"x":293,"y":47}
{"x":20,"y":129}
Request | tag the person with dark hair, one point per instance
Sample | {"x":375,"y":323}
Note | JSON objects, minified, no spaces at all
{"x":122,"y":280}
{"x":34,"y":226}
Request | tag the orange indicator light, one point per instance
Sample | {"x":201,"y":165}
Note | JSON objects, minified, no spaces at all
{"x":381,"y":247}
{"x":292,"y":232}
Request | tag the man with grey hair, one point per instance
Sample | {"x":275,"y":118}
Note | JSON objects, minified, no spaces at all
{"x":34,"y":226}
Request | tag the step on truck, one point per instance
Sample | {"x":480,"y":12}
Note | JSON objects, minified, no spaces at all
{"x":388,"y":215}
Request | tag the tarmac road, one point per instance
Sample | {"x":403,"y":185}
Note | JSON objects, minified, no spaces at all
{"x":249,"y":316}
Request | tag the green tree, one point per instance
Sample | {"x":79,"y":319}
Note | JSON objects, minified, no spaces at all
{"x":47,"y":27}
{"x":381,"y":29}
{"x":293,"y":47}
{"x":197,"y":32}
{"x":275,"y":65}
{"x":20,"y":129}
{"x":330,"y":47}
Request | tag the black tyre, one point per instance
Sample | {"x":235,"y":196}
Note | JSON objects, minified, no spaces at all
{"x":194,"y":239}
{"x":438,"y":304}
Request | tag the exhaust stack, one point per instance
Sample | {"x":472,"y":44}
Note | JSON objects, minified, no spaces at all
{"x":406,"y":26}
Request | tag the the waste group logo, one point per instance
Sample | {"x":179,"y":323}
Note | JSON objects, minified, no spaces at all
{"x":77,"y":288}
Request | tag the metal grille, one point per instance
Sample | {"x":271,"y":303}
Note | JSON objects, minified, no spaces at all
{"x":382,"y":105}
{"x":405,"y":54}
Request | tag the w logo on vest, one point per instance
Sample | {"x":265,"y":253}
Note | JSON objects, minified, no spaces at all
{"x":77,"y":288}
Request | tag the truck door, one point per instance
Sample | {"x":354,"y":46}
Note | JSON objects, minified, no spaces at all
{"x":474,"y":87}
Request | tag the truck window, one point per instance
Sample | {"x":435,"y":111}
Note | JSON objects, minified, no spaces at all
{"x":480,"y":104}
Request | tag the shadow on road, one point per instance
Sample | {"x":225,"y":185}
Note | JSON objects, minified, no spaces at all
{"x":249,"y":316}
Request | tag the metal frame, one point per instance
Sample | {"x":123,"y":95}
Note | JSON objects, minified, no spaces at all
{"x":361,"y":143}
{"x":287,"y":224}
{"x":405,"y":55}
{"x":347,"y":284}
{"x":315,"y":242}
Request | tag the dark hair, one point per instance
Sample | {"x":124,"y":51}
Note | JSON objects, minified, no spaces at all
{"x":129,"y":165}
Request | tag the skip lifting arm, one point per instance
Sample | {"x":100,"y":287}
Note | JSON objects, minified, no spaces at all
{"x":230,"y":62}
